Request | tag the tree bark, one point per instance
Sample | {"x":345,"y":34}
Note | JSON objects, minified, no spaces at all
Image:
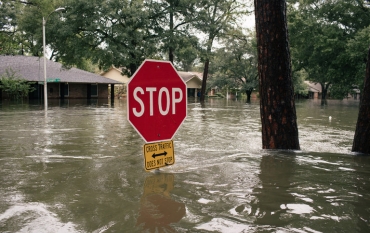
{"x":170,"y":52}
{"x":324,"y":90}
{"x":362,"y":134}
{"x":204,"y":81}
{"x":277,"y":107}
{"x":248,"y":93}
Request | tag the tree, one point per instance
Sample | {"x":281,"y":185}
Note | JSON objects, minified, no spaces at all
{"x":331,"y":26}
{"x":14,"y":86}
{"x":300,"y":87}
{"x":172,"y":18}
{"x":22,"y":23}
{"x":356,"y":54}
{"x":235,"y":64}
{"x":362,"y":134}
{"x":108,"y":33}
{"x":187,"y":51}
{"x":11,"y":38}
{"x":278,"y":114}
{"x":214,"y":18}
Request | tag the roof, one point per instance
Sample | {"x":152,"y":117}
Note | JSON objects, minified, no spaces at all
{"x":187,"y":76}
{"x":115,"y":74}
{"x":313,"y":87}
{"x":32,"y":69}
{"x":111,"y":68}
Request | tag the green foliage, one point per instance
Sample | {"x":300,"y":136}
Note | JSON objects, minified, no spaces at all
{"x":186,"y":53}
{"x":21,"y":25}
{"x":14,"y":86}
{"x":172,"y":21}
{"x":356,"y":50}
{"x":10,"y":37}
{"x":114,"y":32}
{"x":300,"y":87}
{"x":215,"y":19}
{"x":329,"y":40}
{"x":235,"y":65}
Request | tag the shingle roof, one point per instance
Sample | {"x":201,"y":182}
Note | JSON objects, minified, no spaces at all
{"x":32,"y":69}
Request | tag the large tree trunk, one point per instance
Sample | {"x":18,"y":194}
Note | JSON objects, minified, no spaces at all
{"x":278,"y":114}
{"x":362,"y":134}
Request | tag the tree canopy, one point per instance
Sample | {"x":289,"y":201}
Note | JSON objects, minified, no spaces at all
{"x":235,"y":64}
{"x":329,"y":40}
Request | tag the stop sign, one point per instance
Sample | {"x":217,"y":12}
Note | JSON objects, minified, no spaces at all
{"x":156,"y":100}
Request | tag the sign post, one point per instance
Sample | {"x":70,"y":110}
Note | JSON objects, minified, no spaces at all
{"x":156,"y":101}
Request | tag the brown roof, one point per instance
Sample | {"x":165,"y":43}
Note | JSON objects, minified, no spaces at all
{"x":32,"y":69}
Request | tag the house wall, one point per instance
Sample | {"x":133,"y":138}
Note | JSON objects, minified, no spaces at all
{"x":212,"y":92}
{"x":194,"y":83}
{"x":116,"y":75}
{"x":103,"y":92}
{"x":313,"y":95}
{"x":53,"y":90}
{"x":192,"y":92}
{"x":77,"y":91}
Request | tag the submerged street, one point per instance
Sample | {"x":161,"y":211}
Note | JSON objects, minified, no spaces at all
{"x":80,"y":168}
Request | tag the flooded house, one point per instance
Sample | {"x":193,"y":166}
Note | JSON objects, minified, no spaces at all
{"x":62,"y":83}
{"x":193,"y":82}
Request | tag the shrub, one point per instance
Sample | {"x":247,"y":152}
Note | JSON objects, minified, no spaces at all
{"x":15,"y":86}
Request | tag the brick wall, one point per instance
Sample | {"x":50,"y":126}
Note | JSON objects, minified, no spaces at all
{"x":77,"y":91}
{"x":53,"y":90}
{"x":103,"y":91}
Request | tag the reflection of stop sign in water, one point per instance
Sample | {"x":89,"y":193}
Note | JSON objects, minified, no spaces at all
{"x":156,"y":100}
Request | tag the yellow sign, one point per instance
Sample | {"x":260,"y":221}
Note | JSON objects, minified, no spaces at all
{"x":158,"y":154}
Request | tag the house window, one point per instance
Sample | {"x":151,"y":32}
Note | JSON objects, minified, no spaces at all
{"x":94,"y":90}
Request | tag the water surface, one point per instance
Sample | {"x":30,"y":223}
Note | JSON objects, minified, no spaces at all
{"x":79,"y":168}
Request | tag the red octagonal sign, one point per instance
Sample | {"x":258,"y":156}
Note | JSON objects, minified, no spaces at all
{"x":156,"y":100}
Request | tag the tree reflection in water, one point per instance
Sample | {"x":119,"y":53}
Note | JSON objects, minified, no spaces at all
{"x":272,"y":196}
{"x":362,"y":183}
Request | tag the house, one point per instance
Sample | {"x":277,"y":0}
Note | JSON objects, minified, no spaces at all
{"x":116,"y":74}
{"x":356,"y":94}
{"x":62,"y":83}
{"x":314,"y":90}
{"x":193,"y":82}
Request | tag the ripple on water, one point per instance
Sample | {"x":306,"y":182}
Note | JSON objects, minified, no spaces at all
{"x":35,"y":217}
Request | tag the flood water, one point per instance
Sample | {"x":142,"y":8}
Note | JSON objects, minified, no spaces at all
{"x":80,"y":168}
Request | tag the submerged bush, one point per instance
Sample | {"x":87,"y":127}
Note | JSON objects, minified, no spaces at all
{"x":15,"y":86}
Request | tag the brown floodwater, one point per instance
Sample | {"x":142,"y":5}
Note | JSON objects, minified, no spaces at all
{"x":80,"y":168}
